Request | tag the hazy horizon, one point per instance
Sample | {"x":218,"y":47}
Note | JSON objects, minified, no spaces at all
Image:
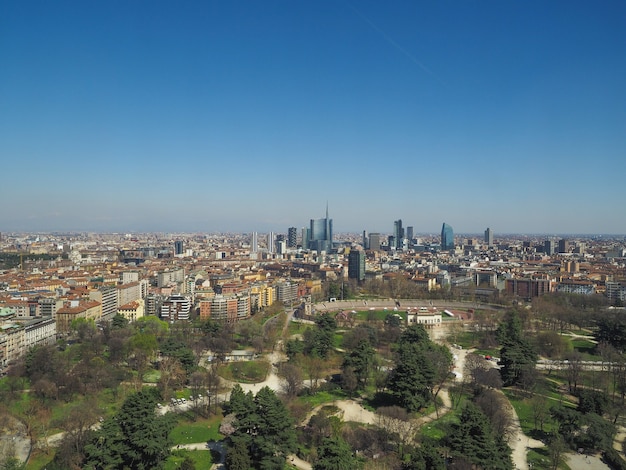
{"x":208,"y":116}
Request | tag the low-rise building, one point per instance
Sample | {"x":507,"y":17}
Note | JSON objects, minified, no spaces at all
{"x":90,"y":310}
{"x":132,"y":310}
{"x":430,"y":318}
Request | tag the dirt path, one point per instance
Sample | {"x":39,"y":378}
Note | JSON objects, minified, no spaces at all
{"x":352,"y":411}
{"x":14,"y":440}
{"x":520,"y":442}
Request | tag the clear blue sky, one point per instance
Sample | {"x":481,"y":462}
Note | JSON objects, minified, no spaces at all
{"x":252,"y":115}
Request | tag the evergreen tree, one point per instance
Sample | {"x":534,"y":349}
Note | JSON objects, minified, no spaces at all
{"x":263,"y":427}
{"x":417,"y":369}
{"x":472,"y":439}
{"x":335,"y":454}
{"x":237,"y":455}
{"x":517,"y":356}
{"x":135,"y":438}
{"x":276,"y":437}
{"x":360,"y":360}
{"x":425,"y":457}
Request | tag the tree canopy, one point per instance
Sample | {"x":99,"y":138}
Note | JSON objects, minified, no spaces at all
{"x":264,"y":431}
{"x":134,"y":438}
{"x":419,"y":365}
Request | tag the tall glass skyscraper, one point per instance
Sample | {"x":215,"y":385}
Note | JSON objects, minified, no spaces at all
{"x":356,"y":265}
{"x":489,"y":237}
{"x":447,"y":237}
{"x":292,"y":237}
{"x":398,"y":234}
{"x":321,"y":234}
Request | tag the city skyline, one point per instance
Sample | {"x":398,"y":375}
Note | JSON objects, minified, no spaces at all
{"x":241,"y":117}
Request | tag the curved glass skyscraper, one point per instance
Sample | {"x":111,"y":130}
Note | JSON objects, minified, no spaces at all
{"x":447,"y":237}
{"x":321,"y":234}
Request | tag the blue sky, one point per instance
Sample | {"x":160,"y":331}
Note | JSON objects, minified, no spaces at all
{"x":252,"y":115}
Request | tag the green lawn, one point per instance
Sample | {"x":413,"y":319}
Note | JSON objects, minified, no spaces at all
{"x":201,"y":459}
{"x":245,"y":371}
{"x":587,"y":349}
{"x":322,"y":397}
{"x":202,"y":430}
{"x":152,"y":376}
{"x":377,"y":315}
{"x":39,"y":459}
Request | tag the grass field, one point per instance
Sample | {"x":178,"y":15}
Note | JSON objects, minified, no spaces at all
{"x":201,"y":459}
{"x":587,"y":349}
{"x":201,"y":430}
{"x":245,"y":371}
{"x":322,"y":397}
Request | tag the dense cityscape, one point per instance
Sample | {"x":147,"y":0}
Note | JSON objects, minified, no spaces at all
{"x":313,"y":235}
{"x":52,"y":283}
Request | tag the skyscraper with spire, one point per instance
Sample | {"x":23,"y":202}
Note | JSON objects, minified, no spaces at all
{"x":321,"y":234}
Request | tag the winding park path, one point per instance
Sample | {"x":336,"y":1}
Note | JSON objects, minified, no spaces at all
{"x":353,"y":411}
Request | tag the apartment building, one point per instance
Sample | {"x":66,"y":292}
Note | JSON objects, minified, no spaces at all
{"x":90,"y":310}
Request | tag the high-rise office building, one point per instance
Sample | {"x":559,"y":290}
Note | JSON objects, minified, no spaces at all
{"x":564,"y":245}
{"x":356,"y":265}
{"x":549,"y":247}
{"x":447,"y":237}
{"x":365,"y":240}
{"x":374,"y":241}
{"x":178,"y":247}
{"x":292,"y":237}
{"x":398,"y":234}
{"x":270,"y":243}
{"x":321,"y":234}
{"x":254,"y":243}
{"x":489,"y":237}
{"x":409,"y":234}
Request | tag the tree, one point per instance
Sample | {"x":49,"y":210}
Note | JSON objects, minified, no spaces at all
{"x":425,"y":456}
{"x":187,"y":464}
{"x":263,"y":425}
{"x":360,"y":360}
{"x":237,"y":455}
{"x":574,"y":368}
{"x":540,"y":411}
{"x":397,"y":425}
{"x":319,"y":341}
{"x":293,"y":378}
{"x":335,"y":454}
{"x":172,"y":375}
{"x":612,"y":330}
{"x":276,"y":436}
{"x":136,"y":437}
{"x":556,"y":451}
{"x":314,"y":368}
{"x":473,"y":439}
{"x":419,"y":367}
{"x":496,"y":408}
{"x":119,"y":322}
{"x":517,"y":356}
{"x":77,"y":424}
{"x":349,"y":380}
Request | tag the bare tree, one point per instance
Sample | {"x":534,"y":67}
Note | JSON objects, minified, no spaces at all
{"x":397,"y":423}
{"x":497,"y":408}
{"x":574,"y":370}
{"x":293,"y":378}
{"x":172,"y":375}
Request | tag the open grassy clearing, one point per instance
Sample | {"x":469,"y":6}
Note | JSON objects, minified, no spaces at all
{"x":245,"y":371}
{"x":201,"y":430}
{"x":201,"y":459}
